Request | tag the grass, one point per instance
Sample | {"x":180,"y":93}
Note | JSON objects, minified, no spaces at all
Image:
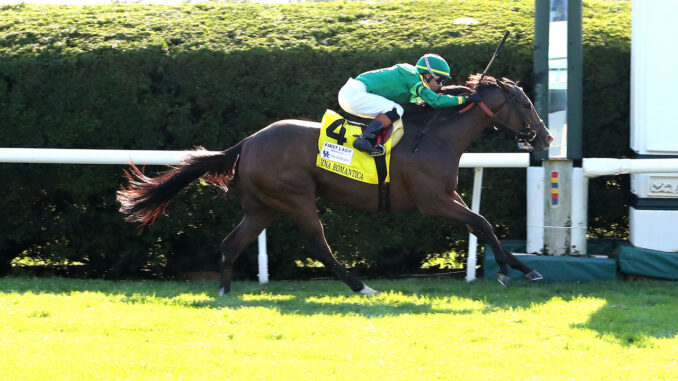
{"x":52,"y":328}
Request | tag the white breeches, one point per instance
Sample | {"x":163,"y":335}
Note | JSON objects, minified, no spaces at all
{"x":354,"y":99}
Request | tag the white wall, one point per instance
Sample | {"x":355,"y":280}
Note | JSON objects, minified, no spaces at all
{"x":654,"y":83}
{"x":654,"y":124}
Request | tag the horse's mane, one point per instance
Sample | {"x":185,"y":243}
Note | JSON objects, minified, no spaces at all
{"x":473,"y":84}
{"x":488,"y":81}
{"x":456,"y":90}
{"x":474,"y":81}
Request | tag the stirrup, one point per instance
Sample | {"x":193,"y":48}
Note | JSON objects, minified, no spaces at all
{"x":379,"y":150}
{"x":364,"y":145}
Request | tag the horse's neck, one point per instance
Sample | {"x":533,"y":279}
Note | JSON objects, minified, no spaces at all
{"x":465,"y":128}
{"x":459,"y":130}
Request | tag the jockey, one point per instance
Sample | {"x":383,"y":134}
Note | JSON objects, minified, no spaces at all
{"x":377,"y":95}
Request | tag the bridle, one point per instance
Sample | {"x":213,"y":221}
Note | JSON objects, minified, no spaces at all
{"x":512,"y":98}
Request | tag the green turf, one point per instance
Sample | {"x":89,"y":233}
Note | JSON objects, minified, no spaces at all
{"x":415,"y":329}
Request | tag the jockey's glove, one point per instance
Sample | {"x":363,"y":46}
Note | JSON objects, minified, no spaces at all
{"x":473,"y":97}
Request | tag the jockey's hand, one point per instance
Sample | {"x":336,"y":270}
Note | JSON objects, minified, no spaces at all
{"x":473,"y":97}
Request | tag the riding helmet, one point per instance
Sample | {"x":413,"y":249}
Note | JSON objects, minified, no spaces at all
{"x":433,"y":64}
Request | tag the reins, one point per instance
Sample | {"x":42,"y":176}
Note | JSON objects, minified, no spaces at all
{"x":520,"y":136}
{"x":420,"y":134}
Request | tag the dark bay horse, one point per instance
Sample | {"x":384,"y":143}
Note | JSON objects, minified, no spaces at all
{"x":276,"y":172}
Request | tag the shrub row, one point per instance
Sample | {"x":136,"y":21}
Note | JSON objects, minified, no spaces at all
{"x":158,"y":77}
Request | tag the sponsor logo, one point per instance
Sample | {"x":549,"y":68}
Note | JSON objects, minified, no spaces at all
{"x":337,"y":153}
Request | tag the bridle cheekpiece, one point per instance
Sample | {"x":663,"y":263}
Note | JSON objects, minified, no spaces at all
{"x":512,"y":96}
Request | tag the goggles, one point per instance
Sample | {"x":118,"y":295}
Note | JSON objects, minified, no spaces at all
{"x":440,"y":80}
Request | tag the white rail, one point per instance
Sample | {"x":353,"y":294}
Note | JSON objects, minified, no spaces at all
{"x":150,"y":157}
{"x":495,"y":160}
{"x":145,"y":157}
{"x":92,"y":156}
{"x":595,"y":167}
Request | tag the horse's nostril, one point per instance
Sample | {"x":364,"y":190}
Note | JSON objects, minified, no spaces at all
{"x":549,"y":139}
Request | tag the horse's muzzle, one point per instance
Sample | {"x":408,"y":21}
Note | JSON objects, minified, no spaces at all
{"x":523,"y":145}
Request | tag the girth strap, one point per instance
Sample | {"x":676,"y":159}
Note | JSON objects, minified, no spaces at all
{"x":383,"y":189}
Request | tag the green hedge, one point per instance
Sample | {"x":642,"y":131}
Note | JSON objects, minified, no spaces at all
{"x":158,"y":77}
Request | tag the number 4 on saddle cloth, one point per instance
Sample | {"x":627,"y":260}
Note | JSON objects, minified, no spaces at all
{"x":336,"y":153}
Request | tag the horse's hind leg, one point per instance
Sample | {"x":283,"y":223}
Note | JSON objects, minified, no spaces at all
{"x":306,"y":219}
{"x":256,"y":218}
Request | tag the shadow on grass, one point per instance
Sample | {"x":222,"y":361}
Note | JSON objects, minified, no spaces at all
{"x":633,"y":312}
{"x":635,"y":316}
{"x":304,"y":306}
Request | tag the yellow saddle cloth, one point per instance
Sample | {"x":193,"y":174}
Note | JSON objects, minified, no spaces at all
{"x":336,"y":153}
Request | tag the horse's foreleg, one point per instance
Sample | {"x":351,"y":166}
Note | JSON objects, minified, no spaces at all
{"x":481,"y":228}
{"x":250,"y":227}
{"x":307,"y":221}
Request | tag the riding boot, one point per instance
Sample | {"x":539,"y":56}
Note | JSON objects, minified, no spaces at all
{"x":367,"y":141}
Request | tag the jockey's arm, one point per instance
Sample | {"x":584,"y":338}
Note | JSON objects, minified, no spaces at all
{"x":436,"y":100}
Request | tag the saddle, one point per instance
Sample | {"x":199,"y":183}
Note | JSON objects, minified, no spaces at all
{"x":336,"y":153}
{"x":395,"y":129}
{"x":335,"y":123}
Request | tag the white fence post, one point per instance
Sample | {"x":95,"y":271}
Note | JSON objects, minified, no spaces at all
{"x":580,"y":204}
{"x":263,"y":258}
{"x":472,"y":259}
{"x":535,"y":210}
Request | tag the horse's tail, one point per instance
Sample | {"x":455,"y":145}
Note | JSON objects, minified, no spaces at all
{"x":146,"y":197}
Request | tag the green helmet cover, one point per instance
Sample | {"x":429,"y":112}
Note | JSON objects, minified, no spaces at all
{"x":433,"y":64}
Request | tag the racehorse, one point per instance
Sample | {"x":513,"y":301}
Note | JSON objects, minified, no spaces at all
{"x":275,"y":169}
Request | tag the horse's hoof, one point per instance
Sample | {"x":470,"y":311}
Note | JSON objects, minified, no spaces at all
{"x":504,"y":280}
{"x":368,"y":291}
{"x":222,"y":292}
{"x":533,"y":275}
